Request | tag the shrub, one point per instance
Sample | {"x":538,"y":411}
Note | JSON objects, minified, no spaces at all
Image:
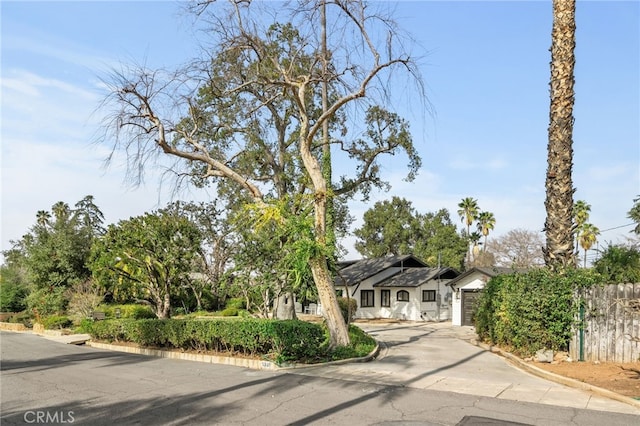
{"x":22,"y":318}
{"x":46,"y":302}
{"x":278,"y":340}
{"x":361,"y":345}
{"x":348,"y":306}
{"x":133,"y":311}
{"x":237,"y":303}
{"x":83,"y":297}
{"x":12,"y":296}
{"x":229,"y":312}
{"x":84,"y":326}
{"x":55,"y":322}
{"x":532,"y":311}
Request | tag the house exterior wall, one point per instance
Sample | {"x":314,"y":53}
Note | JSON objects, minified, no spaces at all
{"x":472,"y":282}
{"x":413,"y":310}
{"x":440,"y":310}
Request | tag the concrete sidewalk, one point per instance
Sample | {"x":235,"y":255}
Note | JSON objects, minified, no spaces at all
{"x":437,"y":356}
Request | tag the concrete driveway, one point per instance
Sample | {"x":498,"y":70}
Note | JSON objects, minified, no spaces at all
{"x":438,"y":356}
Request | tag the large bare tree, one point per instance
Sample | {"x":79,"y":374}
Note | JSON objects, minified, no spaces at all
{"x":559,"y":252}
{"x":518,"y":248}
{"x":248,"y":115}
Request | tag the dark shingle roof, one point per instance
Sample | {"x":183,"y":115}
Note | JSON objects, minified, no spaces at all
{"x":414,"y":277}
{"x":365,"y":268}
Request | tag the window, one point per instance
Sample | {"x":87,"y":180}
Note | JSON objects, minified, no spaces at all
{"x":403,"y":296}
{"x":428,"y":295}
{"x":366,"y":299}
{"x":385,"y":298}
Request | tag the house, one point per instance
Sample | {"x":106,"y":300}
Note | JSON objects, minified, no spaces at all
{"x":467,"y":288}
{"x":400,"y":287}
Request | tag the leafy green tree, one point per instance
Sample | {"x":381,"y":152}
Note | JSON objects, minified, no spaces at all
{"x":13,"y":289}
{"x":150,"y":256}
{"x":58,"y":245}
{"x":619,"y":264}
{"x":219,"y":242}
{"x":389,"y":228}
{"x":395,"y":227}
{"x":14,"y":277}
{"x":252,"y":114}
{"x":440,"y":243}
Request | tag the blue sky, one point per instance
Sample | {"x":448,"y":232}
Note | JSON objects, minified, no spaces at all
{"x":485,"y":64}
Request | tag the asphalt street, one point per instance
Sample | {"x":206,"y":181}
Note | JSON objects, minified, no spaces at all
{"x":43,"y":381}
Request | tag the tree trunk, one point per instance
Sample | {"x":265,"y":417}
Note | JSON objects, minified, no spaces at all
{"x":338,"y":331}
{"x":559,"y":250}
{"x":285,"y":308}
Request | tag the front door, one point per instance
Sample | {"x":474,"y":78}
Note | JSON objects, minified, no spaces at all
{"x":469,"y":301}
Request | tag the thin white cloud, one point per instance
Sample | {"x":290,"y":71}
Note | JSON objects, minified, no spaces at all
{"x":610,"y":172}
{"x":48,"y":46}
{"x":478,"y":164}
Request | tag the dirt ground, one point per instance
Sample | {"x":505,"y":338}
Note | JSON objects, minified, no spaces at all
{"x":620,"y":378}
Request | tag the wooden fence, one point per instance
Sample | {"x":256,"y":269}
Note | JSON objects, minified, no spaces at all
{"x":611,"y":325}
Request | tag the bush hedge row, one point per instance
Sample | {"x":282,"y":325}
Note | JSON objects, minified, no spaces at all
{"x":277,"y":340}
{"x":133,"y":311}
{"x":530,"y":311}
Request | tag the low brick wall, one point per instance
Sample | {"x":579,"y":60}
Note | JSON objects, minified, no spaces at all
{"x":10,"y":326}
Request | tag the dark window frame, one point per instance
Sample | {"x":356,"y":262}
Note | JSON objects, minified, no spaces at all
{"x":385,"y":298}
{"x":365,"y":295}
{"x":431,"y":297}
{"x":403,"y":293}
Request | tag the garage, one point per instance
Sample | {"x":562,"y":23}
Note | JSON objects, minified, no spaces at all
{"x":469,"y":303}
{"x":467,"y":288}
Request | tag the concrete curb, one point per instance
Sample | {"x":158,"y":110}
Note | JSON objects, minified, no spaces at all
{"x":254,"y":364}
{"x":520,"y":363}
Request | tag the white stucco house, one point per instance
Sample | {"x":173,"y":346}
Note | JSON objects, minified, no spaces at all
{"x":401,"y":287}
{"x":466,"y":289}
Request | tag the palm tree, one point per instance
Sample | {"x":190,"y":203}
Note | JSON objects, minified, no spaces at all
{"x":580,"y":216}
{"x":588,"y":237}
{"x":468,"y":212}
{"x":475,"y":239}
{"x":559,"y":250}
{"x":43,"y":218}
{"x":61,"y":211}
{"x":634,"y":214}
{"x":486,"y":223}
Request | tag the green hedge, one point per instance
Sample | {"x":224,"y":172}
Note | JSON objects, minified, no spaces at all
{"x":131,"y":310}
{"x":531,"y":311}
{"x":56,"y":322}
{"x":277,"y":340}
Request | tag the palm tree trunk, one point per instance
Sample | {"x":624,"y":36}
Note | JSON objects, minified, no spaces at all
{"x":559,"y":250}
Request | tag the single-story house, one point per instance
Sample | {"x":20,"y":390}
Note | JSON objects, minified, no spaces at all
{"x":467,"y":288}
{"x":401,"y":287}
